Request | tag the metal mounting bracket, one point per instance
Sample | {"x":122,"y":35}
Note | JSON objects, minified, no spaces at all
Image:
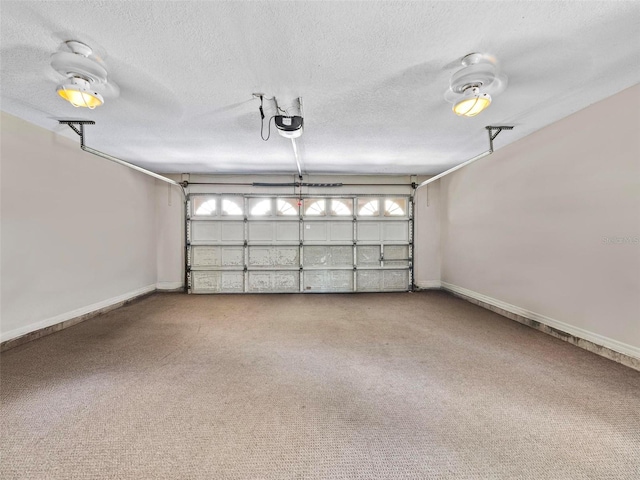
{"x":492,"y":136}
{"x":79,"y":129}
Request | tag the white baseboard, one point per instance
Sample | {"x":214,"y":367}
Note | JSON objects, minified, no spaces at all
{"x":75,"y":314}
{"x":169,"y":285}
{"x":553,"y":324}
{"x":428,"y":284}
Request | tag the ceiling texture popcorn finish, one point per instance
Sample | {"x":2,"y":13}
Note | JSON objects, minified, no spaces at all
{"x":372,"y":75}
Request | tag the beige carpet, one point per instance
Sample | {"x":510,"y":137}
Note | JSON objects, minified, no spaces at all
{"x":369,"y":386}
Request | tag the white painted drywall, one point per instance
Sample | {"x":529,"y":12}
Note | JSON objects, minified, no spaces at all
{"x":170,"y":236}
{"x":78,"y":231}
{"x":550,"y":223}
{"x":427,"y":236}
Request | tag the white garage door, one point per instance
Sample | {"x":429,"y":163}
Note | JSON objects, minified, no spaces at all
{"x":278,"y":244}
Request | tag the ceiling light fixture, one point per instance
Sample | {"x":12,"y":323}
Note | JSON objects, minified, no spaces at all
{"x":472,"y":86}
{"x":85,"y":77}
{"x":77,"y":91}
{"x":472,"y":103}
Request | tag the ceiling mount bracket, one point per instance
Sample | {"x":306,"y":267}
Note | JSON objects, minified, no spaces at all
{"x":79,"y":129}
{"x":492,"y":136}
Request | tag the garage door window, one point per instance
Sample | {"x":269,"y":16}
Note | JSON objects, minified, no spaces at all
{"x":315,"y":207}
{"x":204,"y":206}
{"x":395,"y":207}
{"x":260,"y":207}
{"x":368,"y":207}
{"x":288,"y":206}
{"x":232,"y":206}
{"x":341,"y":207}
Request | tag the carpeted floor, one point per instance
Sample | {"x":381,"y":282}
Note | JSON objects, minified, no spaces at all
{"x":369,"y":386}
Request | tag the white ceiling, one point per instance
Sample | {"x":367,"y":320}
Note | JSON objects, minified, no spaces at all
{"x":372,"y":76}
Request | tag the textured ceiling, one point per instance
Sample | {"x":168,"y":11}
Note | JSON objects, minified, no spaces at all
{"x":372,"y":76}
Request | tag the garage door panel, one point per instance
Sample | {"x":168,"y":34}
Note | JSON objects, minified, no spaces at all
{"x":328,"y":256}
{"x":328,"y":232}
{"x":273,"y":232}
{"x":341,"y":232}
{"x":274,"y":281}
{"x":213,"y":256}
{"x":217,"y":282}
{"x":368,"y":255}
{"x":205,"y":232}
{"x":287,"y":231}
{"x":369,"y":232}
{"x":369,"y":280}
{"x":217,"y":232}
{"x":396,"y":255}
{"x":232,"y":231}
{"x":316,"y":231}
{"x":395,"y":231}
{"x":328,"y":281}
{"x":384,"y":231}
{"x":261,"y":231}
{"x":382,"y":280}
{"x":395,"y":279}
{"x":274,"y":256}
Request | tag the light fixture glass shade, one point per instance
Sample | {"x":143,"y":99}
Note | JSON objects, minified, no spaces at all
{"x":472,"y":104}
{"x":291,"y":133}
{"x":77,"y":92}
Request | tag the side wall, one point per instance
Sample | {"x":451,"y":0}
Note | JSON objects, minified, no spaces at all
{"x":548,"y":227}
{"x":170,"y":236}
{"x":78,"y":232}
{"x":427,"y":236}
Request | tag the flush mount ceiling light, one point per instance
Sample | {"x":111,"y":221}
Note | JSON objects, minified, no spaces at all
{"x":77,"y":91}
{"x":471,"y":87}
{"x":472,"y":102}
{"x":86,"y":78}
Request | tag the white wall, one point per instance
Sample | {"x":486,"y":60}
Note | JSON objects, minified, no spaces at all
{"x":427,"y":236}
{"x":532,"y":225}
{"x":170,"y":236}
{"x":78,"y":231}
